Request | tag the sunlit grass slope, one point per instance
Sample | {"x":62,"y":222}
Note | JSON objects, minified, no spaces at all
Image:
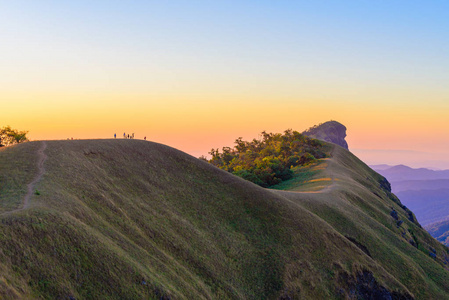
{"x":357,"y":202}
{"x":126,"y":219}
{"x":18,"y":165}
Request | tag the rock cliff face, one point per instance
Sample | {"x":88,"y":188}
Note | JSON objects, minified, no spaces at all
{"x":332,"y":131}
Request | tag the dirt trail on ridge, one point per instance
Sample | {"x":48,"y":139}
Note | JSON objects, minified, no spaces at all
{"x":325,"y":189}
{"x":42,"y":157}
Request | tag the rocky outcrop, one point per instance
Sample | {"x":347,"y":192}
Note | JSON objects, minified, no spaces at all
{"x":332,"y":131}
{"x":363,"y":285}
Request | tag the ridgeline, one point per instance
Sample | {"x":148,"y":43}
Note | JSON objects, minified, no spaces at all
{"x":128,"y":219}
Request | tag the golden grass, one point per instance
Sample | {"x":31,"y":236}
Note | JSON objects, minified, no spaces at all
{"x":319,"y":180}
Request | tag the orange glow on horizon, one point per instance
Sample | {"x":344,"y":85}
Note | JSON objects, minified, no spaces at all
{"x":196,"y":124}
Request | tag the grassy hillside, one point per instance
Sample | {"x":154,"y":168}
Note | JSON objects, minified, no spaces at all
{"x":357,"y":202}
{"x":127,"y":219}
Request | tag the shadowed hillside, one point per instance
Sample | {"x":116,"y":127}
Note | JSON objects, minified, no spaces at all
{"x":126,"y":219}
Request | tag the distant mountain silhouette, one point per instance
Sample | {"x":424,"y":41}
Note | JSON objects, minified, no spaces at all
{"x":401,"y":173}
{"x":380,"y":167}
{"x":440,"y":230}
{"x":429,"y":205}
{"x":416,"y":185}
{"x":331,"y":131}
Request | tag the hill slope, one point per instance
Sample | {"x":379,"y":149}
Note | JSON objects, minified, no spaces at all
{"x":125,"y":219}
{"x":357,"y":202}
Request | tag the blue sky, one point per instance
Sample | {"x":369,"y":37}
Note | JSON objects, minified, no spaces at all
{"x":401,"y":42}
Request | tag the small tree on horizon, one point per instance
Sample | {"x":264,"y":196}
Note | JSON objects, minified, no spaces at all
{"x":10,"y":136}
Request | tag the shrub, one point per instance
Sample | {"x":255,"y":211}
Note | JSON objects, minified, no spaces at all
{"x":268,"y":161}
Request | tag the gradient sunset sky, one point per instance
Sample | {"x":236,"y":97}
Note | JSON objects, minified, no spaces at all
{"x":196,"y":75}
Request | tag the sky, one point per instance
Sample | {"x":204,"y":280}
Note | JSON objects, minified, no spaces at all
{"x":196,"y":75}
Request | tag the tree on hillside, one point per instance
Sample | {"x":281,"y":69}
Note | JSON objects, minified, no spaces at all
{"x":10,"y":136}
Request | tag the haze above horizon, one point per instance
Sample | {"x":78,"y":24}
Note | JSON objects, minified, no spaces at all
{"x":197,"y":75}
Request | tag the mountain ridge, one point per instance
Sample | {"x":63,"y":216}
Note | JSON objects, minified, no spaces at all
{"x":127,"y":219}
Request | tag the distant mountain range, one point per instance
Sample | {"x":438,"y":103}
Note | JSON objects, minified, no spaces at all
{"x":425,"y":192}
{"x":402,"y":173}
{"x":416,"y":185}
{"x":440,"y":231}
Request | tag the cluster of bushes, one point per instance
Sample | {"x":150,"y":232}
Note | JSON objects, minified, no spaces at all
{"x":269,"y":160}
{"x":9,"y":136}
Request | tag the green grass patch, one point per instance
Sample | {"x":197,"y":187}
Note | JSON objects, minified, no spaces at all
{"x":302,"y":177}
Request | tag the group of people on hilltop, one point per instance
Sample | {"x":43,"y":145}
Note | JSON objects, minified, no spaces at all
{"x":128,"y":136}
